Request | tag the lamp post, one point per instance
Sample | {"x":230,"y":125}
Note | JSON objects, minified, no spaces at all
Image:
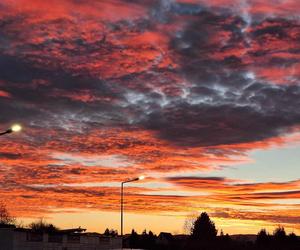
{"x":122,"y":199}
{"x":14,"y":128}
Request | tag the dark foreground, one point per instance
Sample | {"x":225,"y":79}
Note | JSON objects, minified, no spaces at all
{"x":169,"y":242}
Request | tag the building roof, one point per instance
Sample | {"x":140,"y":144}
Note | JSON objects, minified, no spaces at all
{"x":72,"y":230}
{"x":167,"y":236}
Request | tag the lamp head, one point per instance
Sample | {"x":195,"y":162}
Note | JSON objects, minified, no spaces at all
{"x":16,"y":128}
{"x":141,"y":177}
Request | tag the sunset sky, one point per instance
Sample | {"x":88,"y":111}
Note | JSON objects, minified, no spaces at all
{"x":202,"y":97}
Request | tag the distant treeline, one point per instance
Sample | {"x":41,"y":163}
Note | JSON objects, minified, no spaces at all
{"x":272,"y":242}
{"x":203,"y":236}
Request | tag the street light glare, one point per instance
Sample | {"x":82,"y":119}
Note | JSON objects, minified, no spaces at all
{"x":16,"y":128}
{"x":122,"y":187}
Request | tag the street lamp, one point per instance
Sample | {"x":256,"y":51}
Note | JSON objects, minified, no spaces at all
{"x":14,"y":128}
{"x":122,"y":198}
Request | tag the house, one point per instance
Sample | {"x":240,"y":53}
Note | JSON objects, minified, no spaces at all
{"x":164,"y":238}
{"x":70,"y":239}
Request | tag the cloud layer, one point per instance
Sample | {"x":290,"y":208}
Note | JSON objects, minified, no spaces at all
{"x":112,"y":89}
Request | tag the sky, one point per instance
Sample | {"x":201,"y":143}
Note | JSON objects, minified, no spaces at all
{"x":201,"y":97}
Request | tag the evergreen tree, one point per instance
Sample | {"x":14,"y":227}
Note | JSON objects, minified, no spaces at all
{"x":204,"y":228}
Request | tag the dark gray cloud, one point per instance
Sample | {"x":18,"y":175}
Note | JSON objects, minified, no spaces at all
{"x":223,"y":102}
{"x":10,"y":156}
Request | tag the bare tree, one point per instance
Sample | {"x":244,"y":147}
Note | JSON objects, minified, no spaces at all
{"x":5,"y":217}
{"x":42,"y":226}
{"x":189,"y":222}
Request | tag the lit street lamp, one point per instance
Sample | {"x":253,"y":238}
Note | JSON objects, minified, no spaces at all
{"x":14,"y":128}
{"x":122,"y":196}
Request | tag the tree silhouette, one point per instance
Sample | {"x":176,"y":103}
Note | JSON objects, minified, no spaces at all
{"x":133,"y":232}
{"x":110,"y":232}
{"x":279,"y":233}
{"x":280,"y":236}
{"x":113,"y":232}
{"x":263,"y":238}
{"x":292,"y":239}
{"x":5,"y":217}
{"x":189,"y":222}
{"x":204,"y":228}
{"x":106,"y":232}
{"x":150,"y":240}
{"x":42,"y":226}
{"x":133,"y":239}
{"x":151,"y":234}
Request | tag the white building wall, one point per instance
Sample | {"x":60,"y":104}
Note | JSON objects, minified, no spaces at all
{"x":17,"y":240}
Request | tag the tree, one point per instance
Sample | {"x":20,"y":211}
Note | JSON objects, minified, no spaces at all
{"x":262,"y":238}
{"x":5,"y":217}
{"x":293,"y":236}
{"x":133,"y":239}
{"x":189,"y":222}
{"x":293,"y":239}
{"x":203,"y":228}
{"x":113,"y":232}
{"x":151,"y":234}
{"x":133,"y":232}
{"x":280,"y":237}
{"x":224,"y":239}
{"x":110,"y":232}
{"x":151,"y":239}
{"x":280,"y":234}
{"x":106,"y":232}
{"x":42,"y":226}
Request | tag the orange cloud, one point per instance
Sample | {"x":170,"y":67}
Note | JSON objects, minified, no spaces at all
{"x":110,"y":90}
{"x":4,"y":94}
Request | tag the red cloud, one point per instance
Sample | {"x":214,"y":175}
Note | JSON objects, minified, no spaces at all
{"x":4,"y":94}
{"x":167,"y":89}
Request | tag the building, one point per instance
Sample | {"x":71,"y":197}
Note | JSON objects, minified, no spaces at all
{"x":71,"y":239}
{"x":164,"y":238}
